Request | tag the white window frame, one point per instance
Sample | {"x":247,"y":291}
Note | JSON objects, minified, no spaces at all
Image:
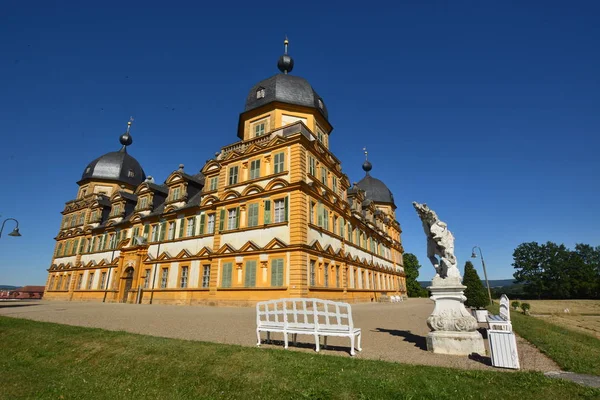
{"x":279,"y":210}
{"x":211,"y":223}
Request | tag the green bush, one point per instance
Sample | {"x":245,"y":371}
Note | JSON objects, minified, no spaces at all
{"x":515,"y":305}
{"x":475,"y":293}
{"x":525,"y":307}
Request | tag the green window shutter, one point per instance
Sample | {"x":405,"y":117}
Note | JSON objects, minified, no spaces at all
{"x":146,"y":231}
{"x":237,"y":217}
{"x":267,"y":215}
{"x":286,"y":209}
{"x":202,"y":218}
{"x":193,"y":228}
{"x":59,"y":249}
{"x":277,"y":272}
{"x":181,"y":224}
{"x":81,"y":246}
{"x":222,"y":220}
{"x":226,"y":280}
{"x":75,"y":246}
{"x":250,"y":280}
{"x":163,"y":231}
{"x":320,"y":214}
{"x":136,"y":232}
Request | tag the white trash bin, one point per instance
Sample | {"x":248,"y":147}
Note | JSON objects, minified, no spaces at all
{"x":503,"y":349}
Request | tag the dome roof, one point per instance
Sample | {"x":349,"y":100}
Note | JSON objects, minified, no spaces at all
{"x":285,"y":88}
{"x":117,"y":165}
{"x":375,"y":190}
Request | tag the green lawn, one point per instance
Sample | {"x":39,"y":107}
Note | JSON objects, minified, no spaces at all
{"x":43,"y":360}
{"x":573,"y":351}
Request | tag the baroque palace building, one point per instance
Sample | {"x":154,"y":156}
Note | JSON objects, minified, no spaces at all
{"x":270,"y":216}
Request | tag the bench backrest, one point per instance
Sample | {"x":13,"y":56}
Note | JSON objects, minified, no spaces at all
{"x":505,"y":307}
{"x":270,"y":312}
{"x":305,"y":313}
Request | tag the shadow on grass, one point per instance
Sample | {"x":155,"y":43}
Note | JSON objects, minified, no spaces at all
{"x":419,"y":341}
{"x":304,"y":345}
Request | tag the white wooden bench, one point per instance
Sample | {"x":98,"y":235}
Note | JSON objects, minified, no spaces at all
{"x":502,"y":320}
{"x":313,"y":317}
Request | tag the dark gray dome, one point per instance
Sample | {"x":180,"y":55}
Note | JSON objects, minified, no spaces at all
{"x":116,"y":166}
{"x":376,"y":190}
{"x":285,"y":88}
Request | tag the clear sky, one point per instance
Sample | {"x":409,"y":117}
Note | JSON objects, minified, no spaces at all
{"x":486,"y":110}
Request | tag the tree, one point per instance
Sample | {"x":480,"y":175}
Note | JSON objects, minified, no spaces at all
{"x":411,"y":269}
{"x":475,"y":293}
{"x":528,"y":259}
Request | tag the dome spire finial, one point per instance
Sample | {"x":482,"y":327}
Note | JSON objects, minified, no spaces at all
{"x":125,"y":138}
{"x":367,"y":166}
{"x":285,"y":63}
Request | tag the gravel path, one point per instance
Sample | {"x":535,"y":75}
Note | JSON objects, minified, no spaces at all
{"x":391,"y":331}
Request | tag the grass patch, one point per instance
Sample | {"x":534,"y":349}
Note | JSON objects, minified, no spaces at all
{"x":571,"y":350}
{"x":43,"y":360}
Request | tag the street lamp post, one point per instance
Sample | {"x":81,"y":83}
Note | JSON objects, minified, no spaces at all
{"x":15,"y":231}
{"x":474,"y":255}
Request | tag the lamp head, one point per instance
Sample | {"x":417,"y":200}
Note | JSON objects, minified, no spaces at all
{"x":473,"y":255}
{"x":15,"y":232}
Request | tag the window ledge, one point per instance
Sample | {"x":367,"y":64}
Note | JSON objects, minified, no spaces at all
{"x":233,"y":289}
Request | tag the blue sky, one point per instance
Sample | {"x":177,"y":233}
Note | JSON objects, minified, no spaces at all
{"x":487,"y":111}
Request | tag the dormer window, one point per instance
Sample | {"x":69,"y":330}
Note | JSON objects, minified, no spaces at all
{"x":320,"y":104}
{"x":88,"y":169}
{"x":175,"y":195}
{"x":130,"y":174}
{"x":143,"y":202}
{"x":260,"y":93}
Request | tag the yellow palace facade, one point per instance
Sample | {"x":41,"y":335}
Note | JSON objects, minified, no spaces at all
{"x":270,"y":216}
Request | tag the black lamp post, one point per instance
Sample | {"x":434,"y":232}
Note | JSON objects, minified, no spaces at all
{"x":474,"y":255}
{"x":15,"y":231}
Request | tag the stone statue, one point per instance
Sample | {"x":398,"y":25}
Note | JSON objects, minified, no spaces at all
{"x":440,"y":243}
{"x":453,"y":328}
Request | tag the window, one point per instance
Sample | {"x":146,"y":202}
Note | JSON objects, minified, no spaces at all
{"x":254,"y":169}
{"x":267,"y":214}
{"x":320,"y":103}
{"x":278,"y":163}
{"x":116,"y":209}
{"x":81,"y":218}
{"x":68,"y":282}
{"x":337,"y":276}
{"x":211,"y":223}
{"x":226,"y":279}
{"x":102,"y":280}
{"x":312,"y":165}
{"x":176,"y":193}
{"x":163,"y":229}
{"x":342,"y":223}
{"x":73,"y":220}
{"x":320,"y":136}
{"x":214,"y":183}
{"x":259,"y":129}
{"x":146,"y":231}
{"x":79,"y":281}
{"x":147,"y":279}
{"x":155,"y":229}
{"x":93,"y":216}
{"x":232,"y":219}
{"x":250,"y":279}
{"x":326,"y":276}
{"x":312,"y":273}
{"x":325,"y":218}
{"x":81,"y":246}
{"x":143,"y":203}
{"x":324,"y":176}
{"x":334,"y":184}
{"x":51,"y":285}
{"x":163,"y":278}
{"x":320,"y":209}
{"x":233,"y":175}
{"x":113,"y":241}
{"x":183,"y":281}
{"x":59,"y":283}
{"x":277,"y":272}
{"x":206,"y":276}
{"x":191,"y":225}
{"x":103,"y":242}
{"x":253,"y":214}
{"x":171,"y":230}
{"x":281,"y":209}
{"x":90,"y":280}
{"x":59,"y":250}
{"x":260,"y":93}
{"x":311,"y":216}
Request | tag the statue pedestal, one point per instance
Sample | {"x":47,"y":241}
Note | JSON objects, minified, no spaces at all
{"x":454,"y":330}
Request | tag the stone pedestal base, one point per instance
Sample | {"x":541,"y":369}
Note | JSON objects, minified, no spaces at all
{"x":457,"y":343}
{"x":454,"y":330}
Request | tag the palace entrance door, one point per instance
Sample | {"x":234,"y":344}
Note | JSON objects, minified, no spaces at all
{"x":128,"y":278}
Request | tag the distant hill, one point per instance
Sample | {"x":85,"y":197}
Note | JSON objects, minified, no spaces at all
{"x":493,"y":283}
{"x":8,"y":287}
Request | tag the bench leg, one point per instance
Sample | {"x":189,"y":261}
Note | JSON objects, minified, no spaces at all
{"x":285,"y":340}
{"x":359,"y":339}
{"x":268,"y":337}
{"x":295,"y":339}
{"x":258,"y":337}
{"x":317,"y":344}
{"x":325,"y":342}
{"x":352,"y":352}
